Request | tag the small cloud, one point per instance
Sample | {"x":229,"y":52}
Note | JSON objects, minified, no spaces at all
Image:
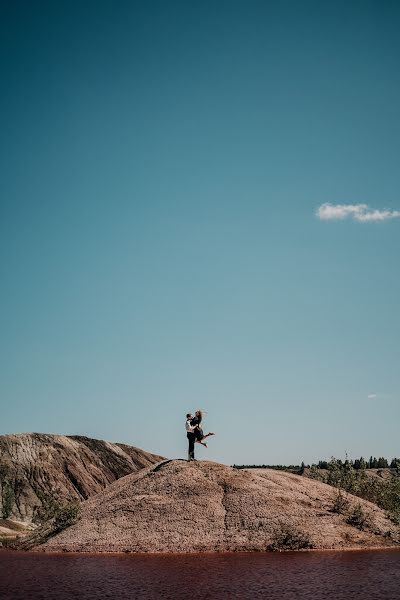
{"x":380,"y":396}
{"x":357,"y":212}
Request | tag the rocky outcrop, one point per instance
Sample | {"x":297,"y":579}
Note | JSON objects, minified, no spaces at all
{"x":179,"y":506}
{"x":37,"y":470}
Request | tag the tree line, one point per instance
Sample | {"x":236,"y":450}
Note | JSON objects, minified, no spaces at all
{"x":362,"y":463}
{"x":357,"y":464}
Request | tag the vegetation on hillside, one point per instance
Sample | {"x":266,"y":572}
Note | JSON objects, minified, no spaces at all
{"x":288,"y":537}
{"x":346,"y":478}
{"x":352,"y":477}
{"x":7,"y":498}
{"x":53,"y":519}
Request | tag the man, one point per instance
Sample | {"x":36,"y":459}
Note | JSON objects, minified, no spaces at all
{"x":190,"y":436}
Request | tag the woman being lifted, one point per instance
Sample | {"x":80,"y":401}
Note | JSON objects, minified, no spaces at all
{"x":198,"y":430}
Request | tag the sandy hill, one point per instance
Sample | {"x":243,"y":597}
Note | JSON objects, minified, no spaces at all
{"x":37,"y":469}
{"x":179,"y":506}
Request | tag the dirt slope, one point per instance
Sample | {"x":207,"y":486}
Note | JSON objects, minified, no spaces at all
{"x":38,"y":468}
{"x":203,"y":506}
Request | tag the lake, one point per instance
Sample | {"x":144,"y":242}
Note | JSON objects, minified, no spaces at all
{"x":361,"y":575}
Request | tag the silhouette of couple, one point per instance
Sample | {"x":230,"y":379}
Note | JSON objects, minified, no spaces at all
{"x":194,"y":432}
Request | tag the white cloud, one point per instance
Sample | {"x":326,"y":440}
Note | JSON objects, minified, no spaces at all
{"x":378,"y":215}
{"x":371,"y":396}
{"x":358,"y":212}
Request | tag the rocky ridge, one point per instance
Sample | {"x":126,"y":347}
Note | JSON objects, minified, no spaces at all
{"x":40,"y":469}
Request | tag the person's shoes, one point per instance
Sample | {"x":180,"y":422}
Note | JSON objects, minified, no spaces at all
{"x":211,"y":433}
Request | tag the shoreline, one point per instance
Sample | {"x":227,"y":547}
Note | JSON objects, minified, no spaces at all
{"x":105,"y":553}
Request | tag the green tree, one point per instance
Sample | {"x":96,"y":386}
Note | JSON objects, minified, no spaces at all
{"x":315,"y":473}
{"x":395,"y":464}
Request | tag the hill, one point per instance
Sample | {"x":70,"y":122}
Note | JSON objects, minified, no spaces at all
{"x":38,"y":470}
{"x":179,"y":506}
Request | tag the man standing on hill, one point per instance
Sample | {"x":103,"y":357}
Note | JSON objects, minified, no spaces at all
{"x":190,"y":436}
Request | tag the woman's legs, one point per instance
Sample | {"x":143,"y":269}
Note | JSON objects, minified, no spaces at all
{"x":201,"y":442}
{"x":200,"y":437}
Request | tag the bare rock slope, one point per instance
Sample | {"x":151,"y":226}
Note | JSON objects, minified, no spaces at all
{"x":203,"y":506}
{"x":37,"y":468}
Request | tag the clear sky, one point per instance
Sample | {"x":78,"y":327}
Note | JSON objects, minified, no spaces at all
{"x":161,"y":249}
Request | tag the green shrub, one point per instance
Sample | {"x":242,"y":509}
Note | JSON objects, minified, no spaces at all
{"x":288,"y":537}
{"x":315,"y":473}
{"x":48,"y":509}
{"x":394,"y":517}
{"x":340,"y":503}
{"x":66,"y":515}
{"x":359,"y":518}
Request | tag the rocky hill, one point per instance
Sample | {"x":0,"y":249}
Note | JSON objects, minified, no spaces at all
{"x":180,"y":506}
{"x":38,"y":470}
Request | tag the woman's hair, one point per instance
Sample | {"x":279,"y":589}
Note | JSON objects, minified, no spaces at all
{"x":199,"y":415}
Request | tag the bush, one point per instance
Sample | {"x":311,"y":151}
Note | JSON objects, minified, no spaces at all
{"x":342,"y":475}
{"x":315,"y":473}
{"x":48,"y":509}
{"x":288,"y":537}
{"x":359,"y":518}
{"x":394,"y":517}
{"x":66,"y":515}
{"x":340,"y":503}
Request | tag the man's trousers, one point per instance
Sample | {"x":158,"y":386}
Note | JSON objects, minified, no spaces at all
{"x":191,"y":437}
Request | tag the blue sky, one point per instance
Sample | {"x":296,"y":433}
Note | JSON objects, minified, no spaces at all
{"x":160,"y":246}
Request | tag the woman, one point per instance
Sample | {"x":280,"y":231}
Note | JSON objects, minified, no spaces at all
{"x":198,"y":430}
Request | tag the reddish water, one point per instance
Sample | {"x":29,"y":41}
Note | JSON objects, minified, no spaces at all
{"x":367,"y":575}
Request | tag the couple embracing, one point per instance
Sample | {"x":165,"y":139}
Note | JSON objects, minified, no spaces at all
{"x":194,"y":432}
